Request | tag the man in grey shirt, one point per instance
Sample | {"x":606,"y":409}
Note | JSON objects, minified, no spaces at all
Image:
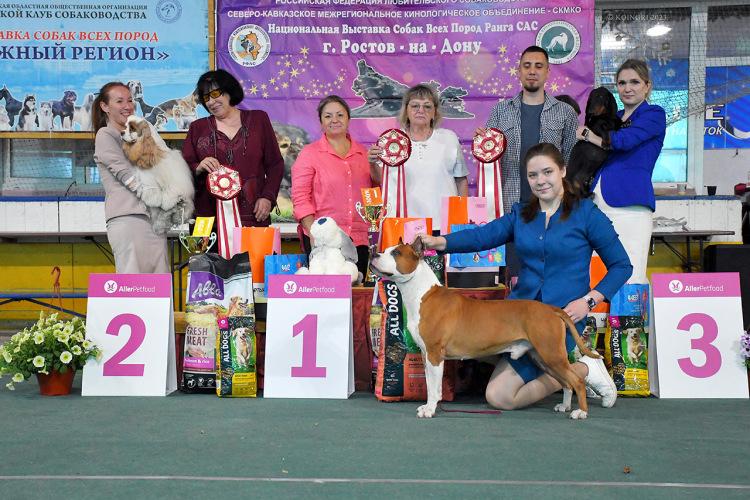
{"x":531,"y":117}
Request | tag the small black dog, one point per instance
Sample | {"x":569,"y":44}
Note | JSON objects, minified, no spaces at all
{"x":586,"y":158}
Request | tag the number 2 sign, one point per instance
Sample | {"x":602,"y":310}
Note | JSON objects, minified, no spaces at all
{"x":309,"y":351}
{"x":130,"y":317}
{"x":698,"y":322}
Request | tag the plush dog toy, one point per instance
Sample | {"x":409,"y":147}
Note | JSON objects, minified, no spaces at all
{"x":333,"y":252}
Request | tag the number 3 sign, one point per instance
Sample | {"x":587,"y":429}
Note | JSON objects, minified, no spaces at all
{"x":130,"y":317}
{"x":698,"y":323}
{"x":309,"y":351}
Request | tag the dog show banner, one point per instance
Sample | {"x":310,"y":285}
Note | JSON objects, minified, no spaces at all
{"x":289,"y":54}
{"x":698,"y":323}
{"x":131,"y":317}
{"x":54,"y":57}
{"x":309,"y":337}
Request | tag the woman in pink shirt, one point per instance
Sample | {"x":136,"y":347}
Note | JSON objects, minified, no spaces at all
{"x":328,"y":175}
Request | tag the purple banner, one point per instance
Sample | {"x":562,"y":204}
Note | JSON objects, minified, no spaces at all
{"x":288,"y":54}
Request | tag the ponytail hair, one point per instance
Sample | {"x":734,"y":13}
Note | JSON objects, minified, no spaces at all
{"x":98,"y":116}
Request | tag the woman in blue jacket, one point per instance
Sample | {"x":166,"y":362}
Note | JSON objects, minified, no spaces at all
{"x":622,"y":188}
{"x":555,"y":234}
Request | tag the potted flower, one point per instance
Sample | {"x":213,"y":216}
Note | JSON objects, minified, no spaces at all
{"x":51,"y":348}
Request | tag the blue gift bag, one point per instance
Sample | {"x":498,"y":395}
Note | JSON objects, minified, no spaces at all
{"x":486,"y":258}
{"x":283,"y":264}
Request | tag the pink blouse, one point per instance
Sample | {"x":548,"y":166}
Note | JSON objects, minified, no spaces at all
{"x":324,"y":184}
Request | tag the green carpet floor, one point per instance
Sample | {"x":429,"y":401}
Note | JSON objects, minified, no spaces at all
{"x":202,"y":446}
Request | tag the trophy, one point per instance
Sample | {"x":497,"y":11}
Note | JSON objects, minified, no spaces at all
{"x":202,"y":238}
{"x":373,"y":212}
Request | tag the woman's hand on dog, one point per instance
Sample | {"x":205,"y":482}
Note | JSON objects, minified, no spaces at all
{"x":577,"y":310}
{"x":432,"y":242}
{"x":590,"y":137}
{"x":208,"y":164}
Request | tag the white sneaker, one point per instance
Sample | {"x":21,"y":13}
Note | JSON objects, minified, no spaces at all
{"x":600,"y":381}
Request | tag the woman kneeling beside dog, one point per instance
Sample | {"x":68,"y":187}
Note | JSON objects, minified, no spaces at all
{"x":555,"y":234}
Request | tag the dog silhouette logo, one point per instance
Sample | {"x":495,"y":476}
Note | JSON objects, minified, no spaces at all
{"x":110,"y":286}
{"x":290,"y":287}
{"x":675,"y":286}
{"x":249,"y":45}
{"x":561,"y":40}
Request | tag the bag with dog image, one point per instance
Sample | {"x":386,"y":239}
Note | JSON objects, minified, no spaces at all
{"x":216,"y":288}
{"x":401,"y":374}
{"x":236,"y":358}
{"x":627,"y":340}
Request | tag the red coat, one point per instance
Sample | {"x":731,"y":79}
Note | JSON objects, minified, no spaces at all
{"x":253,"y":152}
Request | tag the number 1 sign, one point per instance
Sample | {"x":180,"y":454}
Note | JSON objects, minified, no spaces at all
{"x":130,"y":316}
{"x":309,"y":352}
{"x":698,"y":323}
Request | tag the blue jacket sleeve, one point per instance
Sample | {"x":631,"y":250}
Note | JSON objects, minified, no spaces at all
{"x":650,"y":124}
{"x":603,"y":238}
{"x":495,"y":233}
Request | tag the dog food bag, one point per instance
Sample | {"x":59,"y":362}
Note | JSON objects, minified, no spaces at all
{"x":216,"y":288}
{"x":595,"y":329}
{"x":627,"y":340}
{"x":400,"y":374}
{"x":236,"y":358}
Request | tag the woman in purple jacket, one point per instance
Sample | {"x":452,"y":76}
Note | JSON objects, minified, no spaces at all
{"x":623,"y":188}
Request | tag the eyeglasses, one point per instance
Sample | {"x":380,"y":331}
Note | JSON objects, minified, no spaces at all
{"x":214,"y":94}
{"x":415,"y":106}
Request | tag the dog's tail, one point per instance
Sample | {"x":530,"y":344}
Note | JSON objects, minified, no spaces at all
{"x":574,"y":332}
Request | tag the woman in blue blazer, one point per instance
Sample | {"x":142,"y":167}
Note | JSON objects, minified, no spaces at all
{"x":555,"y":234}
{"x":623,"y":188}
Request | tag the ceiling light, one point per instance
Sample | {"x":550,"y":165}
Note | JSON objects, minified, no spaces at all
{"x":658,"y":30}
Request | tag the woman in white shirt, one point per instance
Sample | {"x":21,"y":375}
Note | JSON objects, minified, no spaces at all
{"x":436,"y":167}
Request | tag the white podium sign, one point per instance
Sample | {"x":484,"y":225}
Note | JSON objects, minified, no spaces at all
{"x":130,"y":317}
{"x":698,"y":323}
{"x":309,"y":344}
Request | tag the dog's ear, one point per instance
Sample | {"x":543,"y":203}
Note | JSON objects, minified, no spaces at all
{"x":400,"y":240}
{"x":418,"y":247}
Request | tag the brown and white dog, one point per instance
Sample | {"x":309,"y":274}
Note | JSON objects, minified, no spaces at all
{"x":447,"y":325}
{"x":165,"y":180}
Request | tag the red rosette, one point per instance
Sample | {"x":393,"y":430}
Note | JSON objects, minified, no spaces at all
{"x":224,"y":183}
{"x":488,"y":147}
{"x":396,"y":147}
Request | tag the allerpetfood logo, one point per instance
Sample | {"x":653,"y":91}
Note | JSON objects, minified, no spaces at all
{"x":168,"y":11}
{"x":675,"y":286}
{"x":560,"y":39}
{"x":110,"y":286}
{"x":290,"y":287}
{"x":249,"y":45}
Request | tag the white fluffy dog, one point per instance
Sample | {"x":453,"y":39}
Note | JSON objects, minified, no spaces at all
{"x":333,"y":252}
{"x":165,"y":180}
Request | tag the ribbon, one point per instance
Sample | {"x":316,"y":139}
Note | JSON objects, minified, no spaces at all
{"x":488,"y":149}
{"x":396,"y":147}
{"x":497,"y":182}
{"x":224,"y":184}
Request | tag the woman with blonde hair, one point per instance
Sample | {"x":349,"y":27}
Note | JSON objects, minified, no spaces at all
{"x":622,"y":187}
{"x":436,"y":167}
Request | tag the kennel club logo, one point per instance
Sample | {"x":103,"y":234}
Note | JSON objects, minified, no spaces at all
{"x":249,"y":45}
{"x":168,"y":11}
{"x":560,"y":39}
